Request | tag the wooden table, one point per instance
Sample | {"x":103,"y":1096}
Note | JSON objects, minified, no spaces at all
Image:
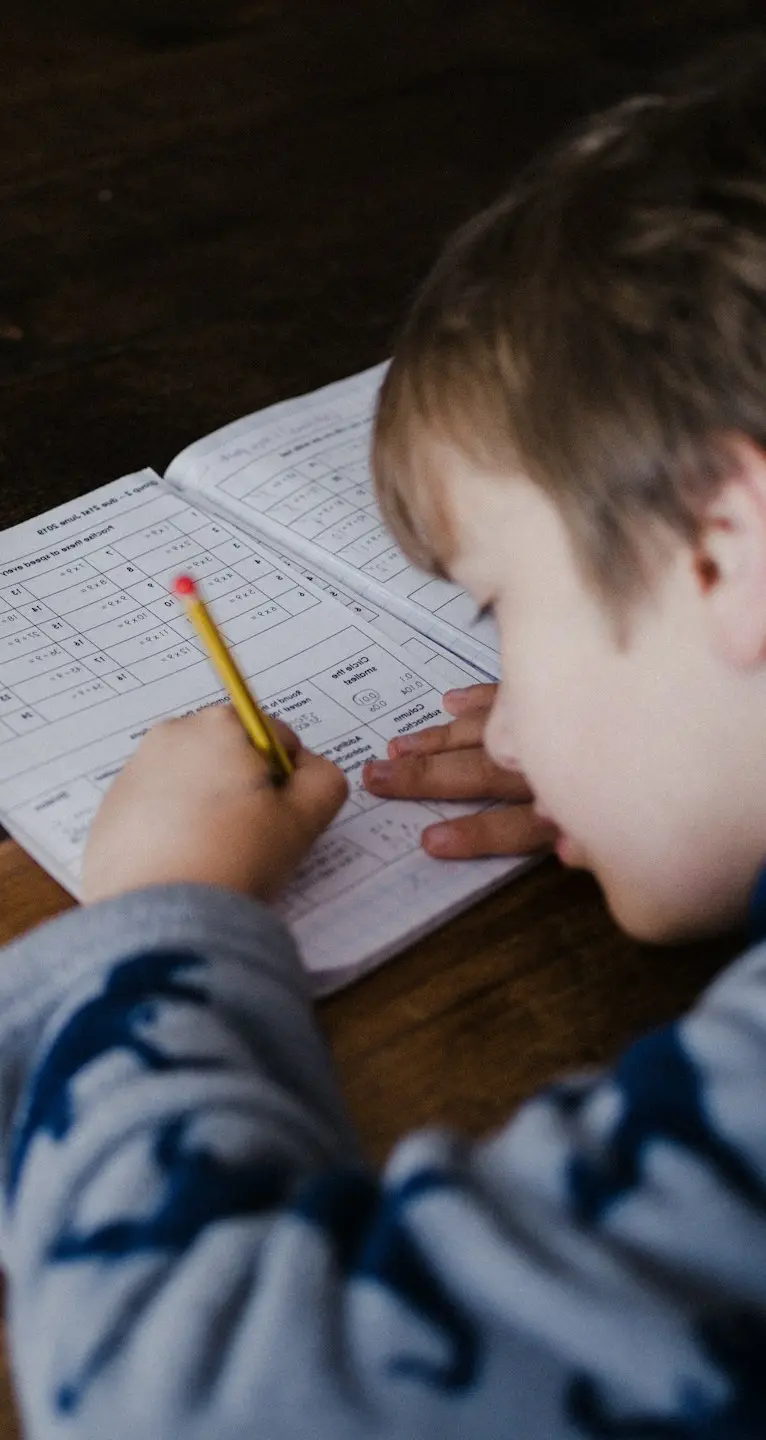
{"x":209,"y":207}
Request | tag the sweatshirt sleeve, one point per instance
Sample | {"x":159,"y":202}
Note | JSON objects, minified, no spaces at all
{"x":195,"y":1247}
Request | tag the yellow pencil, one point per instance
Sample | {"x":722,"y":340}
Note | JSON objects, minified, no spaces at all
{"x":255,"y":722}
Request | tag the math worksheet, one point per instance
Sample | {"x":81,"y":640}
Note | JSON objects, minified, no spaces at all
{"x":299,"y":474}
{"x":94,"y":650}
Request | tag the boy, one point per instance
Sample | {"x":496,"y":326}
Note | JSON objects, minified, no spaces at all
{"x":573,"y":427}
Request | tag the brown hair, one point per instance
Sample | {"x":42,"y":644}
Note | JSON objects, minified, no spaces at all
{"x":602,"y":327}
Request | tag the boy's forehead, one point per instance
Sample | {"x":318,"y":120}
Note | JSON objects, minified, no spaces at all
{"x":450,"y":503}
{"x":429,"y":499}
{"x":457,"y":490}
{"x":442,"y":492}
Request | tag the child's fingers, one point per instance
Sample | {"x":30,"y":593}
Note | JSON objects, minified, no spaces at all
{"x":506,"y":830}
{"x":316,"y":790}
{"x":472,"y":697}
{"x":287,"y":736}
{"x":215,"y":725}
{"x":448,"y":775}
{"x":219,"y":729}
{"x":459,"y":734}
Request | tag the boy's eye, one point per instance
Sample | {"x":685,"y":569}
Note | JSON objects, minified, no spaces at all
{"x":483,"y":613}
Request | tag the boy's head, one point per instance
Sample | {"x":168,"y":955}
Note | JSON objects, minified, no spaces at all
{"x":574,"y":427}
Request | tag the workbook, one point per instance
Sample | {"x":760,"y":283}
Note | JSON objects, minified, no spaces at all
{"x":340,"y":636}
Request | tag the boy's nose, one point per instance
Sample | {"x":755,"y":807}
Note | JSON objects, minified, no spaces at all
{"x":497,"y":737}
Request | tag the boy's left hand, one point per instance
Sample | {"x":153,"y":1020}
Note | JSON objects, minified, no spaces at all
{"x":449,"y":762}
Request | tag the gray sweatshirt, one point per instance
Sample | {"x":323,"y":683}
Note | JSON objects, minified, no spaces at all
{"x":195,"y":1247}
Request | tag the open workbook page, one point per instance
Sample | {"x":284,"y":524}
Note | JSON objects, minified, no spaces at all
{"x":297,"y":474}
{"x":94,"y":650}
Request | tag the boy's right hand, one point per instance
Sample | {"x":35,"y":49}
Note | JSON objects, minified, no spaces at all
{"x":194,"y":804}
{"x":449,"y":762}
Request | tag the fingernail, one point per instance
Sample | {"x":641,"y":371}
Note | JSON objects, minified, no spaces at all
{"x":377,"y":772}
{"x":438,"y":838}
{"x":402,"y":743}
{"x":453,"y":700}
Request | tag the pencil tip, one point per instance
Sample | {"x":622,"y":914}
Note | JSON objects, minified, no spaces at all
{"x":183,"y":585}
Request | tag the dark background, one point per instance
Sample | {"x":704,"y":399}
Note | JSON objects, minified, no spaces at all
{"x":209,"y":206}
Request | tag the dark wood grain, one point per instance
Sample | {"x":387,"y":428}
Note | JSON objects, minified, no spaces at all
{"x":206,"y":208}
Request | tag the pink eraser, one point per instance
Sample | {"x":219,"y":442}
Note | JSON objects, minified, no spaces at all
{"x":183,"y":585}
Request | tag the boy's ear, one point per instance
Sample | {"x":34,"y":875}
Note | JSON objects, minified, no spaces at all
{"x":729,"y":558}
